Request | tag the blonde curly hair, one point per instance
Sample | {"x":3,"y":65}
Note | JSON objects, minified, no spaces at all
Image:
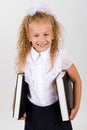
{"x":24,"y":45}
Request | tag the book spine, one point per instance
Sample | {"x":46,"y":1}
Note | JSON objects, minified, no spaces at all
{"x":62,"y":100}
{"x":18,"y":96}
{"x":15,"y":94}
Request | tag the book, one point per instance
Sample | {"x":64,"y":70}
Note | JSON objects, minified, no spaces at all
{"x":20,"y":97}
{"x":65,"y":94}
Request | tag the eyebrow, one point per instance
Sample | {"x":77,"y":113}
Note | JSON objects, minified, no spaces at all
{"x":38,"y":32}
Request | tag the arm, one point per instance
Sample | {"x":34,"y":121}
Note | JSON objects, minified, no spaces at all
{"x":74,"y":75}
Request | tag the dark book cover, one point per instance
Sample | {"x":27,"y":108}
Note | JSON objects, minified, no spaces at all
{"x":65,"y":93}
{"x":20,"y":97}
{"x":68,"y":86}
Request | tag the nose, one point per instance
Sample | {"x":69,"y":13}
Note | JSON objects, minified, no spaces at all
{"x":41,"y":39}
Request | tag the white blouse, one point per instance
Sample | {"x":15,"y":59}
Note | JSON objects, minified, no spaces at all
{"x":42,"y":81}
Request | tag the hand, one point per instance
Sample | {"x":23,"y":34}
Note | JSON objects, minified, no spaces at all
{"x":24,"y":116}
{"x":73,"y":113}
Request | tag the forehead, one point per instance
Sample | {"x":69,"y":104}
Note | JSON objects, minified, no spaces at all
{"x":40,"y":25}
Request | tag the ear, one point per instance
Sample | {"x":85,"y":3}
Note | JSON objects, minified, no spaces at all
{"x":52,"y":36}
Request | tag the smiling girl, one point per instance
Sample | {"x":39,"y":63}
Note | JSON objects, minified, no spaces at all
{"x":41,"y":59}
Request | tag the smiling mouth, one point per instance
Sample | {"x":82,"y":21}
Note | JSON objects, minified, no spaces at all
{"x":42,"y":45}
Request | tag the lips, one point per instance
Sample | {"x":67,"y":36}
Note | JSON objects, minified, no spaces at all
{"x":42,"y":45}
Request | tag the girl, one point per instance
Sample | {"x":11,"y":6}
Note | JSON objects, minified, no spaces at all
{"x":41,"y":59}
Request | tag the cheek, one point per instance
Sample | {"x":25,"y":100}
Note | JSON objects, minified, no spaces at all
{"x":33,"y":40}
{"x":33,"y":44}
{"x":50,"y":40}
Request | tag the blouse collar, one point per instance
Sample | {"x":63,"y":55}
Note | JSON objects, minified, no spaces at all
{"x":43,"y":54}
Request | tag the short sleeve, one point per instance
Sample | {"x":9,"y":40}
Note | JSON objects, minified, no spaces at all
{"x":66,"y":60}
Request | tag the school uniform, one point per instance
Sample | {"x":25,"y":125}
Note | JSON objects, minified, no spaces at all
{"x":43,"y":112}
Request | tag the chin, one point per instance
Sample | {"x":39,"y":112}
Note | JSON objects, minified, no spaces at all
{"x":42,"y":49}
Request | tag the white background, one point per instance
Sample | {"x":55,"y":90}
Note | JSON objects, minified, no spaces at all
{"x":73,"y":16}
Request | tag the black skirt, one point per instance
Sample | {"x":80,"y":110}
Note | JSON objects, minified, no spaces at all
{"x":45,"y":118}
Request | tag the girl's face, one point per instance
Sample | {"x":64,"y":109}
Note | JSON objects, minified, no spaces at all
{"x":41,"y":35}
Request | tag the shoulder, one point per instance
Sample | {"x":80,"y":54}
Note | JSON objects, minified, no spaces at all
{"x":65,"y":58}
{"x":62,"y":51}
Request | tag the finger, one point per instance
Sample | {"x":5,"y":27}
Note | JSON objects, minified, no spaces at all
{"x":72,"y":115}
{"x":24,"y":117}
